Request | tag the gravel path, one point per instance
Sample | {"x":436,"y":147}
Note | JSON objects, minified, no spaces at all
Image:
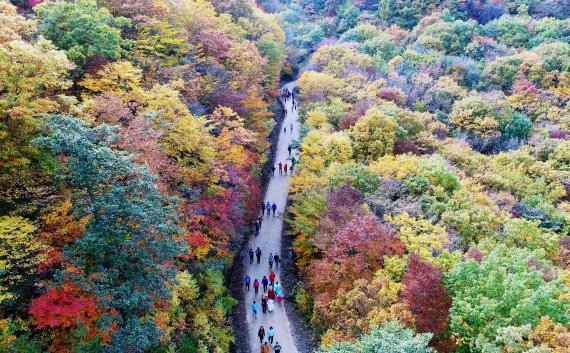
{"x":269,"y":241}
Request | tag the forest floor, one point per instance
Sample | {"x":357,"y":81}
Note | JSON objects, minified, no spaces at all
{"x":269,"y":241}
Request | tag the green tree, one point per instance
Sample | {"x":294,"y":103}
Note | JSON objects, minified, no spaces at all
{"x":501,"y":292}
{"x":84,"y":30}
{"x":391,"y":337}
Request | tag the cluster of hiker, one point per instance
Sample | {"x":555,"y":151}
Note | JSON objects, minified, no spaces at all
{"x":271,"y":291}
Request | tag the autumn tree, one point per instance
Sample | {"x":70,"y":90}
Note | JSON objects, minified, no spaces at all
{"x":134,"y":234}
{"x":373,"y":135}
{"x":425,"y":296}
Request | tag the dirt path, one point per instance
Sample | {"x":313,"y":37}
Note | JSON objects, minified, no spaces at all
{"x":269,"y":241}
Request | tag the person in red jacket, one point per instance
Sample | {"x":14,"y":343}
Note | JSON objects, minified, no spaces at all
{"x":272,"y":277}
{"x":256,"y":286}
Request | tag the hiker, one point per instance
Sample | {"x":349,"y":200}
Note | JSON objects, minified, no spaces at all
{"x":272,"y":277}
{"x":276,"y":259}
{"x":261,"y":334}
{"x":273,"y":170}
{"x":247,"y":281}
{"x":257,"y":226}
{"x":256,"y":286}
{"x":285,"y":168}
{"x":250,"y":256}
{"x":274,"y":208}
{"x":280,"y":167}
{"x":291,"y":127}
{"x":260,"y":219}
{"x":258,"y":254}
{"x":270,"y":304}
{"x":262,"y":208}
{"x":270,"y":334}
{"x":264,"y":304}
{"x":265,"y":348}
{"x":268,"y":206}
{"x":271,"y":293}
{"x":254,"y":308}
{"x":265,"y":282}
{"x":289,"y":149}
{"x":293,"y":162}
{"x":285,"y":129}
{"x":278,"y":289}
{"x":277,"y":347}
{"x":270,"y":259}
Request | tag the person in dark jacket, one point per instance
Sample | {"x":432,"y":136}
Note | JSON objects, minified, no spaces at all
{"x":265,"y":283}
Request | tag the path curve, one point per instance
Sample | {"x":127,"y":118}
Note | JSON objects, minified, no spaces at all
{"x":269,"y":241}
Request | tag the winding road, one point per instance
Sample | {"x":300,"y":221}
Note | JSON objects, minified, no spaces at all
{"x":269,"y":241}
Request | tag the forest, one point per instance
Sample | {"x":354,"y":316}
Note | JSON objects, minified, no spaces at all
{"x":429,"y":211}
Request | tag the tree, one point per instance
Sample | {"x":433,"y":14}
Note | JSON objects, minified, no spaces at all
{"x":338,"y":148}
{"x":450,"y":38}
{"x":33,"y":73}
{"x":20,"y":253}
{"x":72,"y":314}
{"x":85,"y":31}
{"x":420,"y":236}
{"x":124,"y":258}
{"x":500,"y":292}
{"x":390,"y":337}
{"x":373,"y":135}
{"x":474,"y":114}
{"x":425,"y":296}
{"x":356,"y":251}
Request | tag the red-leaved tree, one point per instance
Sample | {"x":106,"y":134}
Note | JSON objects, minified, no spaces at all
{"x":425,"y":296}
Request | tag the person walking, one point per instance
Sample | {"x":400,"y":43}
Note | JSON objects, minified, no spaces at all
{"x":260,"y":219}
{"x":247,"y":281}
{"x":285,"y":168}
{"x":270,"y":335}
{"x":272,"y":277}
{"x":273,"y":170}
{"x":268,"y":206}
{"x":254,"y":308}
{"x":274,"y":208}
{"x":262,"y":208}
{"x":271,"y":293}
{"x":277,"y":348}
{"x":258,"y":254}
{"x":265,"y":348}
{"x":256,"y":286}
{"x":257,"y":226}
{"x":280,"y":167}
{"x":270,"y":260}
{"x":264,"y":304}
{"x":261,"y":334}
{"x":285,"y":129}
{"x":276,"y":258}
{"x":250,"y":256}
{"x":265,"y":283}
{"x":289,"y":148}
{"x":291,"y":126}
